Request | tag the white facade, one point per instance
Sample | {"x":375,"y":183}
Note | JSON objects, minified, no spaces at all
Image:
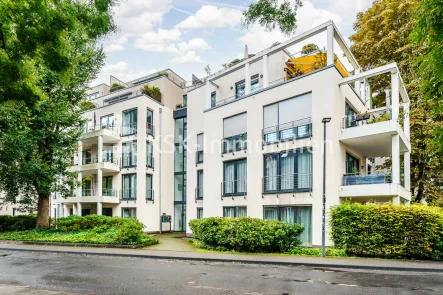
{"x":250,"y":142}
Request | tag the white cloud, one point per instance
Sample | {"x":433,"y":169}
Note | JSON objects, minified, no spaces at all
{"x":135,"y":17}
{"x":189,"y":57}
{"x":121,"y":71}
{"x":194,"y":44}
{"x":115,"y":44}
{"x":159,"y":41}
{"x":209,"y":16}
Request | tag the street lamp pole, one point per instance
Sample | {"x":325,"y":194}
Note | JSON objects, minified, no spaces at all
{"x":323,"y":225}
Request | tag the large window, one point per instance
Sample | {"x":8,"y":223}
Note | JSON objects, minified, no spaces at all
{"x":150,"y":122}
{"x":199,"y":192}
{"x":240,"y":86}
{"x":149,"y":155}
{"x":129,"y":125}
{"x":129,"y":155}
{"x":129,"y":184}
{"x":234,"y":178}
{"x":213,"y":99}
{"x":287,"y":171}
{"x":108,"y":155}
{"x":350,"y":116}
{"x":352,"y":164}
{"x":233,"y":212}
{"x":235,"y":133}
{"x":288,"y":119}
{"x":199,"y":213}
{"x":292,"y":214}
{"x":149,"y":190}
{"x":254,"y":83}
{"x":107,"y":122}
{"x":107,"y":186}
{"x":129,"y":212}
{"x":86,"y":157}
{"x":199,"y":157}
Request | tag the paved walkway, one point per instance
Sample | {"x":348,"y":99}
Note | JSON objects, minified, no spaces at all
{"x":173,"y":242}
{"x":353,"y":263}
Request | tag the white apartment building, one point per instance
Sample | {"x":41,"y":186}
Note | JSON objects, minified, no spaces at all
{"x":259,"y":125}
{"x":245,"y":141}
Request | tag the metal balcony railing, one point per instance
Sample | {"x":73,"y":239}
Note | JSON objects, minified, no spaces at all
{"x":129,"y":194}
{"x":370,"y":117}
{"x":198,"y":193}
{"x":90,"y":160}
{"x":361,"y":178}
{"x":287,"y":183}
{"x":235,"y":143}
{"x":150,"y":195}
{"x":88,"y":192}
{"x":109,"y":192}
{"x":288,"y":131}
{"x":234,"y":188}
{"x":91,"y":127}
{"x":129,"y":160}
{"x":150,"y":129}
{"x":129,"y":129}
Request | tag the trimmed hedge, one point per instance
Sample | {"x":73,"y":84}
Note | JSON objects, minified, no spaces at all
{"x":20,"y":222}
{"x":388,"y":230}
{"x":245,"y":234}
{"x":90,"y":229}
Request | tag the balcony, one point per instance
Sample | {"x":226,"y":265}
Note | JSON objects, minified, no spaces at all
{"x":373,"y":185}
{"x":235,"y":143}
{"x":234,"y":188}
{"x":91,"y":196}
{"x":89,"y":165}
{"x":287,"y":183}
{"x":288,"y":131}
{"x":371,"y":133}
{"x":198,"y":193}
{"x":110,"y":134}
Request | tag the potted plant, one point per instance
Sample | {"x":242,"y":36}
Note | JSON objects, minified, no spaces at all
{"x":359,"y":116}
{"x":366,"y":115}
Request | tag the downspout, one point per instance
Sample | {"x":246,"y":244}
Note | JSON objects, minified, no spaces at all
{"x":160,"y":173}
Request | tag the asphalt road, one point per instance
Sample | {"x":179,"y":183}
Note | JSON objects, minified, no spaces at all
{"x":56,"y":274}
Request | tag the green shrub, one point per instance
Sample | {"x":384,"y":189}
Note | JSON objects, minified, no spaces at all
{"x":91,"y":229}
{"x":116,"y":86}
{"x":153,"y":92}
{"x":20,"y":222}
{"x":388,"y":231}
{"x":317,"y":252}
{"x":245,"y":234}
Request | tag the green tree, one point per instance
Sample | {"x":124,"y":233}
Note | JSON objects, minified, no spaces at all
{"x":48,"y":55}
{"x":273,"y":13}
{"x":381,"y":37}
{"x":428,"y":33}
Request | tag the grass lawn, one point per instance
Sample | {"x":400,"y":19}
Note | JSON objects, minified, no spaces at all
{"x":91,"y":236}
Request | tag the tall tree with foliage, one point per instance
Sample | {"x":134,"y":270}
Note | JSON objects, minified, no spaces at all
{"x":48,"y":55}
{"x":383,"y":36}
{"x":428,"y":33}
{"x":273,"y":13}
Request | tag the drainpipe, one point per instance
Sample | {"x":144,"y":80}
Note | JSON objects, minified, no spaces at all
{"x":160,"y":173}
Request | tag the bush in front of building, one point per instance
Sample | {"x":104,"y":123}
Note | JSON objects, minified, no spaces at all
{"x":386,"y":230}
{"x":306,"y":251}
{"x":20,"y":222}
{"x":245,"y":234}
{"x":91,"y":229}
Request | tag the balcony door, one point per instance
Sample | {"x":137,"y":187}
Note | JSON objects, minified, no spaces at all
{"x":150,"y":122}
{"x":107,"y":186}
{"x":129,"y":125}
{"x":352,"y":164}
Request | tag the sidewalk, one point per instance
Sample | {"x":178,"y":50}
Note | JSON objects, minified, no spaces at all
{"x":350,"y":263}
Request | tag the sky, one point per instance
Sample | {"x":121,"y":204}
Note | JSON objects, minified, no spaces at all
{"x":188,"y":35}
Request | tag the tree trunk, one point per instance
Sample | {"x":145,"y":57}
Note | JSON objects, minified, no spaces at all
{"x":43,"y":211}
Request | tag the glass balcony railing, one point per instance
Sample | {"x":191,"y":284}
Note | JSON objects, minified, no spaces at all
{"x":109,"y":192}
{"x":370,"y":117}
{"x":88,"y":192}
{"x":378,"y":177}
{"x":129,"y":160}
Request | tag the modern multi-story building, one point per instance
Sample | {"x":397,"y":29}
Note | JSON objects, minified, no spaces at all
{"x":246,"y":141}
{"x":260,"y":124}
